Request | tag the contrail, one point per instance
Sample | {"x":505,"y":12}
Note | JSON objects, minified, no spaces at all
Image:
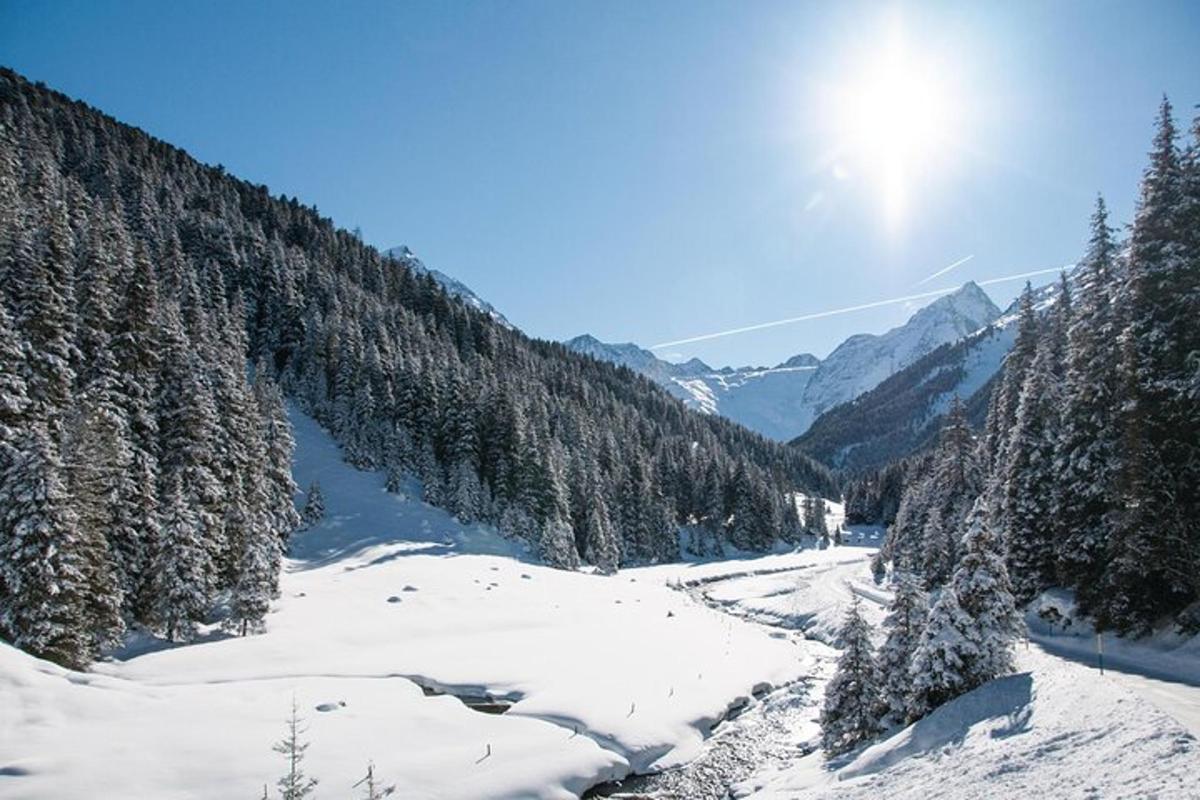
{"x":942,"y":272}
{"x":848,"y":309}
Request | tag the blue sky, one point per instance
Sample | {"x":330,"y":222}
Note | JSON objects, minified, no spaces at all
{"x":648,"y":171}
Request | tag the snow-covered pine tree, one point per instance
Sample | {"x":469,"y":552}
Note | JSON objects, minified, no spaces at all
{"x":981,"y":586}
{"x":599,"y":541}
{"x":188,"y":427}
{"x":938,"y":549}
{"x":256,"y":578}
{"x":1027,"y":472}
{"x":180,"y":566}
{"x":14,"y":406}
{"x":280,"y":446}
{"x":942,"y":662}
{"x":99,"y":461}
{"x":43,"y":561}
{"x":371,"y":788}
{"x":135,"y":348}
{"x":1084,"y":453}
{"x":850,"y":711}
{"x":314,"y":505}
{"x":1154,"y":544}
{"x":904,"y":624}
{"x":1008,"y":392}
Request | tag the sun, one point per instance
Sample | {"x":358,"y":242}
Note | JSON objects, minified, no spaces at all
{"x":895,"y":120}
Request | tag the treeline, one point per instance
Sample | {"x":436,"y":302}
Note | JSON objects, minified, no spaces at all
{"x":1089,"y":462}
{"x":143,"y":476}
{"x":137,"y":286}
{"x":1086,"y":475}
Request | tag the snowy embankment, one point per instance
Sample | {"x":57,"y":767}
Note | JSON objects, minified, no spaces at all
{"x":1058,"y":728}
{"x":606,"y":674}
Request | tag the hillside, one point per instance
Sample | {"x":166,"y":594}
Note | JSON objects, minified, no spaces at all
{"x":151,"y":463}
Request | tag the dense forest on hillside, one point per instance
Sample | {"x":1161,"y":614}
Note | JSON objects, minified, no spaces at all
{"x":1087,"y":469}
{"x":144,"y":468}
{"x":1086,"y":475}
{"x":901,"y":415}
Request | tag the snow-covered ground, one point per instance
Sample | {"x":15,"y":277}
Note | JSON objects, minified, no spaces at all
{"x":1058,"y":728}
{"x":1055,"y":729}
{"x":605,"y":675}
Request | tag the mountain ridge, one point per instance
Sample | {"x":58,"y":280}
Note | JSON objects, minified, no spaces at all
{"x":782,"y":401}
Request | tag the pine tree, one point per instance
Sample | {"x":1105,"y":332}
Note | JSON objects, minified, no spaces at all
{"x":181,"y":567}
{"x":982,"y":588}
{"x":942,"y":662}
{"x":371,"y":789}
{"x":849,"y":715}
{"x":14,"y":406}
{"x":904,"y":624}
{"x":294,"y":784}
{"x":280,"y":446}
{"x":1084,"y":453}
{"x":256,"y":577}
{"x":45,"y":290}
{"x":99,"y":462}
{"x":314,"y":505}
{"x":1030,"y":478}
{"x":600,"y":542}
{"x":44,"y":565}
{"x":188,"y":426}
{"x":1155,"y":553}
{"x":135,"y":349}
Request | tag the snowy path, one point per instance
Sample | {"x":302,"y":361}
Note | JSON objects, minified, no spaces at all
{"x":1173,"y":691}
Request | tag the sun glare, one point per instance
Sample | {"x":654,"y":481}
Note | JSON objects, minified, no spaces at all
{"x":894,"y":121}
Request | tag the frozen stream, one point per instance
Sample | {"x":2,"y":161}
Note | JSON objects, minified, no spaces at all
{"x":771,"y":732}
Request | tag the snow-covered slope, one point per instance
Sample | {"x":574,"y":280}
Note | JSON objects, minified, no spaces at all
{"x":1056,"y":729}
{"x":452,"y":286}
{"x":903,"y":412}
{"x":782,"y":401}
{"x":605,"y":674}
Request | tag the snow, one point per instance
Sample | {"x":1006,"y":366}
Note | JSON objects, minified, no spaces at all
{"x":1056,"y":728}
{"x":607,"y":674}
{"x":1051,"y":730}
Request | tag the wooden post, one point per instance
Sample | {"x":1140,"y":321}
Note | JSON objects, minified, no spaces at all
{"x":1100,"y":651}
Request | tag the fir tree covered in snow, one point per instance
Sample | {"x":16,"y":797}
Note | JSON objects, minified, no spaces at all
{"x":904,"y":625}
{"x":314,"y":505}
{"x":852,"y":697}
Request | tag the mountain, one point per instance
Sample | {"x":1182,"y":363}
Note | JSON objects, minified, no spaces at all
{"x":451,"y":286}
{"x":903,"y":413}
{"x":781,"y":402}
{"x":145,"y":469}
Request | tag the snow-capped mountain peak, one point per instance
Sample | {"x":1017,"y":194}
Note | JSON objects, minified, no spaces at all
{"x":452,"y":286}
{"x":782,"y":401}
